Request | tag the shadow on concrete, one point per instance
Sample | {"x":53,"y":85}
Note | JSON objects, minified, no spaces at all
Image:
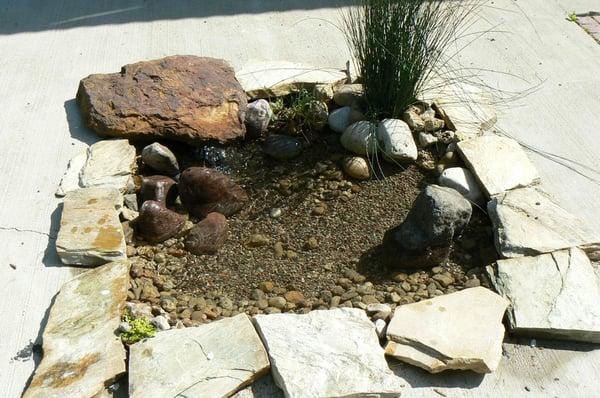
{"x":417,"y":377}
{"x":51,"y":258}
{"x":77,"y":127}
{"x":18,"y":16}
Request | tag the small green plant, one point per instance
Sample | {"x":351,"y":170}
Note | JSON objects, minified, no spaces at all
{"x":572,"y":17}
{"x":299,"y":113}
{"x":141,"y":328}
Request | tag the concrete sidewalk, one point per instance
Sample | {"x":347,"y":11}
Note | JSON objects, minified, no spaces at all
{"x":48,"y":46}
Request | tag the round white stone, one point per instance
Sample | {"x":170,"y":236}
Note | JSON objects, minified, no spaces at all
{"x":360,"y":138}
{"x":396,"y":140}
{"x":464,"y":182}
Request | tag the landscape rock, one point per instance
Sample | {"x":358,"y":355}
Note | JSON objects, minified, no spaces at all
{"x":380,"y":328}
{"x":108,"y":164}
{"x":339,"y":119}
{"x":360,"y":138}
{"x":396,"y":140}
{"x":161,"y":323}
{"x":356,"y":167}
{"x":412,"y":117}
{"x":282,"y":147}
{"x":208,"y":236}
{"x":70,"y":180}
{"x":323,"y":92}
{"x":499,"y":163}
{"x":348,"y":94}
{"x":158,"y":188}
{"x":427,"y":334}
{"x":464,"y":182}
{"x":82,"y":352}
{"x":90,"y":230}
{"x":258,"y":116}
{"x":438,"y":215}
{"x":161,"y":159}
{"x":212,"y":360}
{"x":264,"y":387}
{"x":554,"y":295}
{"x":527,"y":222}
{"x":203,"y":190}
{"x":280,"y":78}
{"x":310,"y":354}
{"x":183,"y":97}
{"x":427,"y":139}
{"x":156,"y":223}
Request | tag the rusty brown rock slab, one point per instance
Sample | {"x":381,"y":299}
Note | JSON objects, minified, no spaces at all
{"x":183,"y":97}
{"x":82,"y":353}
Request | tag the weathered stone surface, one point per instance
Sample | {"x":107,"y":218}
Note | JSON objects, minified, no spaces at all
{"x":396,"y":140}
{"x":348,"y":94}
{"x":258,"y":116}
{"x":264,"y":387}
{"x":413,"y":118}
{"x":332,"y":353}
{"x":70,"y":180}
{"x":279,"y":78}
{"x":438,"y":215}
{"x":499,"y":163}
{"x":161,"y":159}
{"x":356,"y":167}
{"x":554,"y":295}
{"x":208,"y":235}
{"x":212,"y":360}
{"x":203,"y":190}
{"x":282,"y":147}
{"x":339,"y":119}
{"x":156,"y":223}
{"x":109,"y":164}
{"x":82,"y":353}
{"x":90,"y":231}
{"x":183,"y":97}
{"x":360,"y":138}
{"x":464,"y":182}
{"x":159,"y":188}
{"x":461,"y":330}
{"x":527,"y":222}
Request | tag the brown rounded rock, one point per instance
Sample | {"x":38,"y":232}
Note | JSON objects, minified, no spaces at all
{"x":209,"y":235}
{"x":293,"y":296}
{"x":356,"y":167}
{"x":158,"y":188}
{"x":156,"y":223}
{"x":203,"y":190}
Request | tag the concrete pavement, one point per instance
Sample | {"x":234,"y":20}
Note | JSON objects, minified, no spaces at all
{"x":48,"y":46}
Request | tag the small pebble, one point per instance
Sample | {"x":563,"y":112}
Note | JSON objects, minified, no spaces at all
{"x":275,"y":212}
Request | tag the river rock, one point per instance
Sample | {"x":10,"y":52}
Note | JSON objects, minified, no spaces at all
{"x":527,"y":222}
{"x":356,"y":167}
{"x":360,"y":138}
{"x":212,"y":360}
{"x":282,"y":147}
{"x":396,"y":140}
{"x":156,"y":223}
{"x":208,"y":235}
{"x":464,"y":182}
{"x":183,"y":97}
{"x":426,"y":334}
{"x":158,"y":188}
{"x":438,"y":215}
{"x":82,"y":352}
{"x":499,"y":163}
{"x":90,"y":231}
{"x":258,"y":116}
{"x":339,"y":119}
{"x":161,"y":159}
{"x":203,"y":190}
{"x":348,"y":94}
{"x":554,"y":295}
{"x":279,"y":78}
{"x":310,"y":354}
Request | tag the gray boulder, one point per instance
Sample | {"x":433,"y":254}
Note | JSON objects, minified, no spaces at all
{"x":161,"y":159}
{"x":258,"y":116}
{"x":438,"y":215}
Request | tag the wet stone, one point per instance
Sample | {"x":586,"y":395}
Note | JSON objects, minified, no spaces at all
{"x":282,"y":147}
{"x":158,"y":188}
{"x":156,"y":223}
{"x":161,"y":159}
{"x":208,"y":236}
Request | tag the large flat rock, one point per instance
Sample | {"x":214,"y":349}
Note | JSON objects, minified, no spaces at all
{"x":183,"y":97}
{"x":82,"y":353}
{"x":212,"y":360}
{"x":499,"y":163}
{"x":90,"y":231}
{"x":554,"y":295}
{"x":462,"y":330}
{"x":527,"y":222}
{"x":279,"y":78}
{"x":329,"y":353}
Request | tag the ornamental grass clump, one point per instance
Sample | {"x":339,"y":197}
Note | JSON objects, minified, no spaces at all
{"x":399,"y":45}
